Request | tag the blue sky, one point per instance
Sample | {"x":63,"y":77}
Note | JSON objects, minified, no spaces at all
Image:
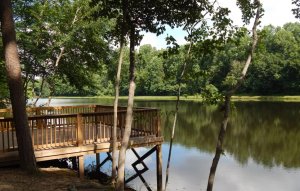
{"x":277,"y":13}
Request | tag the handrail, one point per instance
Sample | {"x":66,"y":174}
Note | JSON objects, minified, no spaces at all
{"x":75,"y":129}
{"x":50,"y":107}
{"x":74,"y":114}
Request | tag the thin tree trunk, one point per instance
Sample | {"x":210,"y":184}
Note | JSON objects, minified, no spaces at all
{"x":40,"y":93}
{"x":25,"y":85}
{"x":58,"y":59}
{"x":129,"y":114}
{"x":13,"y":69}
{"x":219,"y":147}
{"x":62,"y":49}
{"x":118,"y":77}
{"x":52,"y":92}
{"x":175,"y":116}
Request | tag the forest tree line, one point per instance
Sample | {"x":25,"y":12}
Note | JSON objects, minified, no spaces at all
{"x":65,"y":53}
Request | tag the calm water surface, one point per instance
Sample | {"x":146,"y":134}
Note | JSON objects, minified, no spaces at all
{"x":262,"y":146}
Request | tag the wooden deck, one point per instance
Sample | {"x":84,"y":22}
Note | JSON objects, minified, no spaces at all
{"x":60,"y":132}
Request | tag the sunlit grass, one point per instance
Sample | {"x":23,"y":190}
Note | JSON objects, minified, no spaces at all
{"x":198,"y":98}
{"x":267,"y":98}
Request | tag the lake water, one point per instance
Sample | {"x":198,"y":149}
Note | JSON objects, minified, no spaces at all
{"x":262,"y":146}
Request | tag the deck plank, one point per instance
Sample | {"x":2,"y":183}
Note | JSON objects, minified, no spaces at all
{"x":8,"y":158}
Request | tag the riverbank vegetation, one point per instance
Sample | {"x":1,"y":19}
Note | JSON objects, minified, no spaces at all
{"x":275,"y":71}
{"x":190,"y":98}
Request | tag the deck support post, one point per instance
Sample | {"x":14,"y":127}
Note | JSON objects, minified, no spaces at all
{"x":81,"y":166}
{"x":159,"y":167}
{"x":159,"y":156}
{"x":98,"y":162}
{"x":74,"y":163}
{"x":97,"y":159}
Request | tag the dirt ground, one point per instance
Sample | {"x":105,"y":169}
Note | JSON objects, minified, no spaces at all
{"x":48,"y":179}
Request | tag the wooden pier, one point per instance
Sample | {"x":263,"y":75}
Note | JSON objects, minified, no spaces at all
{"x":75,"y":131}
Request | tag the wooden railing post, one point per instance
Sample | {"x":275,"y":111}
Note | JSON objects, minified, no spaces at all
{"x":98,"y":108}
{"x":79,"y":130}
{"x":158,"y":133}
{"x":39,"y":122}
{"x":97,"y":124}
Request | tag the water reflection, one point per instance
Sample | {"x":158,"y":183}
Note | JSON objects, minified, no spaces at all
{"x":262,"y":138}
{"x":261,"y":146}
{"x":267,"y":132}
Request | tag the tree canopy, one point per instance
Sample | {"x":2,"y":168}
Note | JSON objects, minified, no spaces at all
{"x":63,"y":45}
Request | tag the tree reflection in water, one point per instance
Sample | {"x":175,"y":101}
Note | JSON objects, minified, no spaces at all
{"x":266,"y":132}
{"x":261,"y":145}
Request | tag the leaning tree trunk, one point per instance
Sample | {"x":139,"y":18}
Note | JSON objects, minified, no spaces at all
{"x":219,"y":147}
{"x":129,"y":114}
{"x":40,"y":92}
{"x":13,"y":69}
{"x":114,"y":139}
{"x":176,"y":113}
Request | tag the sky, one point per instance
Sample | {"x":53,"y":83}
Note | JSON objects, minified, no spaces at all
{"x":277,"y":13}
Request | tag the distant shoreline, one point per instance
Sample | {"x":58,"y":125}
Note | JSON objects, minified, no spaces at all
{"x":192,"y":98}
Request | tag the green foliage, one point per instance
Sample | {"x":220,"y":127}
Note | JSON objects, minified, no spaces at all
{"x":84,"y":32}
{"x":296,"y":10}
{"x":211,"y":94}
{"x":233,"y":75}
{"x":59,"y":42}
{"x":4,"y":92}
{"x":275,"y":68}
{"x":276,"y":65}
{"x":248,"y":9}
{"x":150,"y":75}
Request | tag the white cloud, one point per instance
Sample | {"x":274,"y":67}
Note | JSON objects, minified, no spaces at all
{"x":277,"y":13}
{"x":159,"y":41}
{"x":150,"y":38}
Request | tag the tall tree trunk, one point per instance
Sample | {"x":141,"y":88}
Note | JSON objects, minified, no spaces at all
{"x":129,"y":114}
{"x":118,"y":77}
{"x":176,"y":113}
{"x":229,"y":93}
{"x":13,"y":69}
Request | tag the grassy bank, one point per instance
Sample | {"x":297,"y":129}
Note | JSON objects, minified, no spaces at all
{"x":267,"y":98}
{"x":198,"y":98}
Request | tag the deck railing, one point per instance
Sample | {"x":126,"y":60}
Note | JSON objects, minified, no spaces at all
{"x":33,"y":111}
{"x":59,"y":128}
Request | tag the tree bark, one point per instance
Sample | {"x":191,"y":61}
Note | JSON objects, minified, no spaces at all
{"x":129,"y":114}
{"x":219,"y":148}
{"x":118,"y":77}
{"x":13,"y":69}
{"x":176,"y":113}
{"x":229,"y":93}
